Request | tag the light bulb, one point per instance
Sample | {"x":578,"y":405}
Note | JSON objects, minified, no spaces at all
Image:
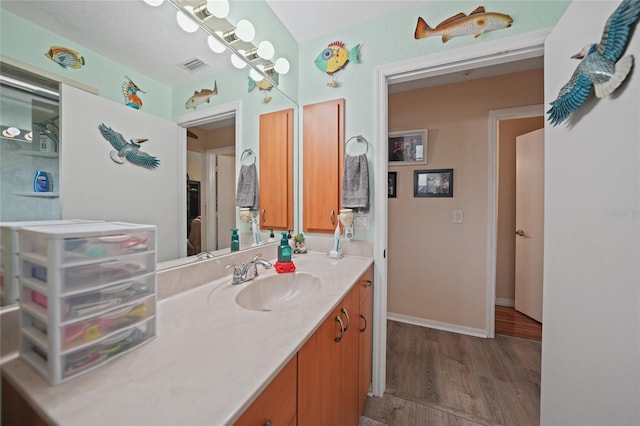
{"x":28,"y":136}
{"x":154,"y":3}
{"x":282,"y":66}
{"x":237,"y":62}
{"x":265,"y":50}
{"x":255,"y":75}
{"x":215,"y":44}
{"x":186,"y":23}
{"x":11,"y":132}
{"x":245,"y":30}
{"x":218,"y":8}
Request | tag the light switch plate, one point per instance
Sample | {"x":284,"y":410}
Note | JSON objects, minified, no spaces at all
{"x":361,"y":221}
{"x":458,"y":216}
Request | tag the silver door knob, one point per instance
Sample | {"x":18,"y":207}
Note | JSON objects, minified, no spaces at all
{"x":520,"y":232}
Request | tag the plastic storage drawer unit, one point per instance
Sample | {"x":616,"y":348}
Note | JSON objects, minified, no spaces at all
{"x":87,"y":295}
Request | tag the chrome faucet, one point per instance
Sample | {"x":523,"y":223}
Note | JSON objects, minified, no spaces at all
{"x":248,"y":271}
{"x":204,"y":255}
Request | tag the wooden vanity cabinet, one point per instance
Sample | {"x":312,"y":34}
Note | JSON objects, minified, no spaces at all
{"x":323,"y":160}
{"x":365,"y":336}
{"x":277,"y":403}
{"x":276,"y":170}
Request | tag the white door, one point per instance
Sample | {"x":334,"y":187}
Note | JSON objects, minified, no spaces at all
{"x":226,"y":200}
{"x":529,"y":223}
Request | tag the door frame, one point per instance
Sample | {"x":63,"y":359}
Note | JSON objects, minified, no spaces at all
{"x":192,"y":119}
{"x":496,"y":115}
{"x":509,"y":49}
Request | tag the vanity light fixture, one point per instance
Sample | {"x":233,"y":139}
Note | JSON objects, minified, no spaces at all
{"x":11,"y":132}
{"x":245,"y":30}
{"x":28,"y":136}
{"x":186,"y":23}
{"x":237,"y":62}
{"x":218,"y":8}
{"x":266,"y":50}
{"x":215,"y":44}
{"x":154,"y":3}
{"x":282,"y":66}
{"x":255,"y":75}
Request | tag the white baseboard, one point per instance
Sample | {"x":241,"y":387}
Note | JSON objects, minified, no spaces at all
{"x":509,"y":303}
{"x":454,"y":328}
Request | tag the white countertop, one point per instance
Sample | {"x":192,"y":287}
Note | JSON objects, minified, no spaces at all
{"x":211,"y":358}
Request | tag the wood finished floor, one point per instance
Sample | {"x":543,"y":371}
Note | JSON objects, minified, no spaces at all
{"x":510,"y":322}
{"x":439,"y":378}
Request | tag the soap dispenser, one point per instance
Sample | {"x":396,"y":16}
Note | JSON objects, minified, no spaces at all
{"x":235,"y":239}
{"x":284,"y":250}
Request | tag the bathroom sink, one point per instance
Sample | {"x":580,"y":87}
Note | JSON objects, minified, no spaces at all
{"x":278,"y":292}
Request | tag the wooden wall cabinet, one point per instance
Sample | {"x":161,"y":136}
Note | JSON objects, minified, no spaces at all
{"x":323,"y":160}
{"x":276,"y":170}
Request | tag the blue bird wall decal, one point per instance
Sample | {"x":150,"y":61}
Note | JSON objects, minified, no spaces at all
{"x":127,"y":150}
{"x":601,"y":67}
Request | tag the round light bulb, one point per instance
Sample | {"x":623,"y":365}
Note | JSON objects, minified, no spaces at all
{"x":255,"y":75}
{"x":218,"y":8}
{"x":186,"y":23}
{"x":282,"y":66}
{"x":265,"y":50}
{"x":215,"y":44}
{"x":154,"y":3}
{"x":11,"y":132}
{"x":237,"y":62}
{"x":28,"y":136}
{"x":245,"y":30}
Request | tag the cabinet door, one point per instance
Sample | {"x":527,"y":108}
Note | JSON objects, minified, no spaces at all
{"x":365,"y":337}
{"x":276,"y":170}
{"x":327,"y":370}
{"x":277,"y":403}
{"x":323,"y":150}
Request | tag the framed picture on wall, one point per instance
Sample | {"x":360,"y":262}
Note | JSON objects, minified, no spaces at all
{"x":433,"y":183}
{"x":408,"y":147}
{"x":393,"y":178}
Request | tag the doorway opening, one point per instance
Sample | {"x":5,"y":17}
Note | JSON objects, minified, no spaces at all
{"x":511,"y":49}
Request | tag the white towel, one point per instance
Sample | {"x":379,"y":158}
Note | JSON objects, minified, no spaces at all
{"x":247,"y":193}
{"x":355,"y":182}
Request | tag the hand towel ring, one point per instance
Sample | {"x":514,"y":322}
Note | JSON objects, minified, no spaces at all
{"x":248,"y":153}
{"x":359,"y":139}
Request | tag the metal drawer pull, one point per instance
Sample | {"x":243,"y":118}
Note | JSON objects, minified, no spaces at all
{"x":264,"y":220}
{"x":333,"y":217}
{"x":346,"y":314}
{"x":365,"y":323}
{"x":342,"y":329}
{"x":368,"y":284}
{"x":267,"y":423}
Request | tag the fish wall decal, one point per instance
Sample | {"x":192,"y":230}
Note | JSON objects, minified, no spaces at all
{"x":477,"y":22}
{"x":264,"y":85}
{"x":65,"y":57}
{"x":202,"y":96}
{"x":130,"y":91}
{"x":335,"y":57}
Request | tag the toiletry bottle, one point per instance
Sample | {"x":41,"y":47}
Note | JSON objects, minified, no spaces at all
{"x":235,"y":239}
{"x":41,"y":182}
{"x":272,"y":238}
{"x":284,"y":250}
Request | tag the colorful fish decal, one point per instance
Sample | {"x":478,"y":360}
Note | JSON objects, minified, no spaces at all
{"x":130,"y":91}
{"x":335,"y":57}
{"x":202,"y":96}
{"x":476,"y":23}
{"x":264,"y":85}
{"x":66,"y":58}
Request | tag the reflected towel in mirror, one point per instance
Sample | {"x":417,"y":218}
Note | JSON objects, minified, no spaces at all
{"x":355,"y":182}
{"x":247,"y":193}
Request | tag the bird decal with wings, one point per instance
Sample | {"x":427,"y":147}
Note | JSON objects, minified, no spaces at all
{"x":601,"y":66}
{"x":127,"y":150}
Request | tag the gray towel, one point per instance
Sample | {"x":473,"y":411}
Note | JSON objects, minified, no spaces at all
{"x":247,"y":193}
{"x":355,"y":182}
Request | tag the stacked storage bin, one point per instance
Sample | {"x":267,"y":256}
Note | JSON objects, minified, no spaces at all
{"x":87,"y":295}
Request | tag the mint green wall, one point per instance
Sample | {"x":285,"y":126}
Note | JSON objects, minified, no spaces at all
{"x":390,"y":39}
{"x":27,"y":42}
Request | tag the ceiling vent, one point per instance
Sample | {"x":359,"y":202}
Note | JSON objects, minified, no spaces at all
{"x":194,"y":64}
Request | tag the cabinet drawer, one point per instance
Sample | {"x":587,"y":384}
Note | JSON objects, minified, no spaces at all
{"x":277,"y":403}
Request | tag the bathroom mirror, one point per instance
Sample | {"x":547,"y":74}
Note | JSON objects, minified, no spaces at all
{"x":251,"y":108}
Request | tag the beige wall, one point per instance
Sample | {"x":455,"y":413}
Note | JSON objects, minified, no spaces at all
{"x":437,"y":269}
{"x":210,"y":139}
{"x":506,"y":243}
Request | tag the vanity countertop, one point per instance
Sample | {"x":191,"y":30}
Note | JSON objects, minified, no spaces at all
{"x":211,"y":358}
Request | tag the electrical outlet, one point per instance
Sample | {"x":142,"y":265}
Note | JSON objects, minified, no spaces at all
{"x":458,"y":216}
{"x":361,"y":221}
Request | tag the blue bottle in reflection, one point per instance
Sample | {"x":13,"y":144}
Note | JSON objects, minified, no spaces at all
{"x":41,"y":182}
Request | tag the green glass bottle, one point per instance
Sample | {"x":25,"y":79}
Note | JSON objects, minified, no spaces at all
{"x":235,"y":239}
{"x":284,"y":250}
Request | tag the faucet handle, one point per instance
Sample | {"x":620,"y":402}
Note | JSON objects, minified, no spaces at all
{"x":256,"y":257}
{"x":237,"y":273}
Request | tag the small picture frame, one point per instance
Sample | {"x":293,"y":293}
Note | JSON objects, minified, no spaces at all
{"x":392,"y":185}
{"x":433,"y":183}
{"x":408,"y":147}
